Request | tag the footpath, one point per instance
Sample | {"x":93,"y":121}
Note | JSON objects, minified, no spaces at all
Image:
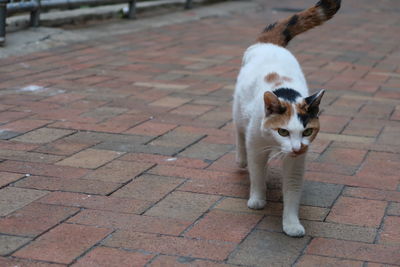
{"x":117,"y":148}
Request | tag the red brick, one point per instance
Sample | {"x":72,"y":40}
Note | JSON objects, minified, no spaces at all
{"x":373,"y":264}
{"x":42,"y":169}
{"x":118,"y":171}
{"x":354,"y":250}
{"x":192,"y":110}
{"x":208,"y":131}
{"x":64,"y":98}
{"x":317,"y":261}
{"x":372,"y":194}
{"x":63,"y":147}
{"x":357,"y":211}
{"x":333,"y":124}
{"x":13,"y":262}
{"x":148,"y":187}
{"x":364,"y":127}
{"x":165,"y":160}
{"x":139,"y":223}
{"x":197,"y":174}
{"x":8,"y":177}
{"x":378,"y":111}
{"x":370,"y":181}
{"x":151,"y":129}
{"x":72,"y":185}
{"x":391,"y":231}
{"x":125,"y":205}
{"x":216,"y":188}
{"x":63,"y":244}
{"x":90,"y":158}
{"x":11,"y":145}
{"x":170,"y":102}
{"x":226,"y":163}
{"x":219,"y":140}
{"x":172,"y":261}
{"x":224,"y":226}
{"x":319,"y":145}
{"x":183,"y":205}
{"x":7,"y":116}
{"x":328,"y":167}
{"x":111,"y":257}
{"x":23,"y":125}
{"x":170,"y":245}
{"x":34,"y":219}
{"x":394,"y":209}
{"x":343,"y":156}
{"x":381,"y":164}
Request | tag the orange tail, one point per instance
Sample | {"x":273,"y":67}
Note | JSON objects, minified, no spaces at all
{"x":281,"y":32}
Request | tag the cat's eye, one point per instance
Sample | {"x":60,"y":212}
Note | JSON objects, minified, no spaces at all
{"x":308,"y":132}
{"x":283,"y":132}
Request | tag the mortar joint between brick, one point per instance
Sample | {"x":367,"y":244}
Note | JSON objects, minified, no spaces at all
{"x":130,"y":180}
{"x":46,"y":231}
{"x":333,"y":203}
{"x":379,"y":230}
{"x":91,"y":248}
{"x":302,"y":252}
{"x":155,"y":203}
{"x":201,"y":217}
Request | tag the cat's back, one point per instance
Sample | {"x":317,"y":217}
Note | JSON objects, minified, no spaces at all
{"x":262,"y":59}
{"x":267,"y":53}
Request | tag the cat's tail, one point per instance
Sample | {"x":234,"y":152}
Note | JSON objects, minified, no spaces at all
{"x":281,"y":32}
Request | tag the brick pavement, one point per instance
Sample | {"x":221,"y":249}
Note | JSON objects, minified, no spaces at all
{"x":119,"y":151}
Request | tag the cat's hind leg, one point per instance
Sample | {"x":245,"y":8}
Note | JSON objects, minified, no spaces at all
{"x":293,"y":171}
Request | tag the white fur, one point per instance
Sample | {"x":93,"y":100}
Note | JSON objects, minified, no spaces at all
{"x":254,"y":142}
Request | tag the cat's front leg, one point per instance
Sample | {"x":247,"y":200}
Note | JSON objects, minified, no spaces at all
{"x":293,"y":170}
{"x":256,"y":161}
{"x":241,"y":157}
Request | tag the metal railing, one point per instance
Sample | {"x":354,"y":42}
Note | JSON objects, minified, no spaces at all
{"x":10,"y":7}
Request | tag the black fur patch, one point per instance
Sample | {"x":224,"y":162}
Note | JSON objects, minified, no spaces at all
{"x":330,"y":7}
{"x":270,"y":27}
{"x":287,"y":94}
{"x":293,"y":20}
{"x":304,"y":118}
{"x":311,"y":114}
{"x":288,"y":36}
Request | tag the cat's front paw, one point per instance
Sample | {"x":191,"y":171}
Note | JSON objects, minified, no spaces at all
{"x":294,"y":229}
{"x":256,"y":203}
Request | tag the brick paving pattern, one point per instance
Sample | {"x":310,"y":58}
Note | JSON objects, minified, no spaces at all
{"x":119,"y":151}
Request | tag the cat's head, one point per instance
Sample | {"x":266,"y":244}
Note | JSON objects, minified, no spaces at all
{"x":291,"y":119}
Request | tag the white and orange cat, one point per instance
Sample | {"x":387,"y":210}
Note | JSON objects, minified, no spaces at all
{"x":273,"y":110}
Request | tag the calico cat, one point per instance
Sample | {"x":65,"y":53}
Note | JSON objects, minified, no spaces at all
{"x":272,"y":110}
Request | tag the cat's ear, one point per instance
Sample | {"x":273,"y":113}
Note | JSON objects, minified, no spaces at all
{"x":313,"y":102}
{"x":272,"y":104}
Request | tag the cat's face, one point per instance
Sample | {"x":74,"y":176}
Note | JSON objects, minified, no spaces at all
{"x":292,"y":120}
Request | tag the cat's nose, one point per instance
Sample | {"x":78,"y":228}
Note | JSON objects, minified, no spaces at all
{"x":296,"y":148}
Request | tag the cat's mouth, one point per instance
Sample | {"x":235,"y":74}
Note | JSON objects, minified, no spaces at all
{"x":297,"y":153}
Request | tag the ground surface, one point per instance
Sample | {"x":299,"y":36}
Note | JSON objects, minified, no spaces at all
{"x":118,"y":151}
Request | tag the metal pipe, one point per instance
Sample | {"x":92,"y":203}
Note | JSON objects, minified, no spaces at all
{"x":35,"y":15}
{"x":3,"y":16}
{"x":132,"y":10}
{"x":188,"y":4}
{"x":13,"y":8}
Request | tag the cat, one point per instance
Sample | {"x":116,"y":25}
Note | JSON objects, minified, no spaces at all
{"x":272,"y":109}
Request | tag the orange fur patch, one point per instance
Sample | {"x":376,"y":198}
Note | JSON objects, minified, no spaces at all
{"x":272,"y":77}
{"x":277,"y":80}
{"x":276,"y":121}
{"x":286,"y":79}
